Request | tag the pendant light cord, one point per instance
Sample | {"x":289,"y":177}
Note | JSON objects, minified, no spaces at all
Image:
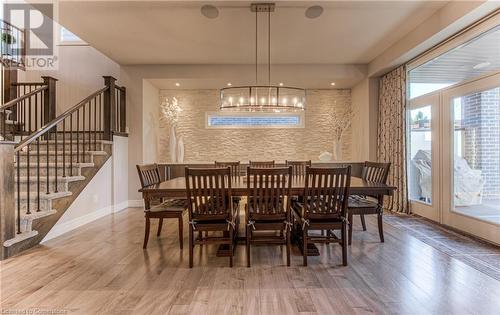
{"x":269,"y":47}
{"x":256,"y":48}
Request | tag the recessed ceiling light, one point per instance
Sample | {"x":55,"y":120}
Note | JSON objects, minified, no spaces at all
{"x":481,"y":65}
{"x":281,"y":83}
{"x":209,"y":11}
{"x":332,"y":84}
{"x":314,"y":12}
{"x":177,"y":84}
{"x":229,"y":84}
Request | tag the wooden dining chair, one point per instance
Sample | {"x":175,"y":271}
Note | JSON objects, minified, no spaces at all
{"x":298,"y":167}
{"x":324,"y":208}
{"x":261,"y":164}
{"x":233,"y":166}
{"x":361,"y":205}
{"x":268,"y":207}
{"x":149,"y":175}
{"x":211,"y":208}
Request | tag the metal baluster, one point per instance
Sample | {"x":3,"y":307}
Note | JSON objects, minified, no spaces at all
{"x":55,"y":158}
{"x":95,"y":123}
{"x":100,"y":114}
{"x":83,"y":156}
{"x":78,"y":135}
{"x":28,"y":179}
{"x":90,"y":124}
{"x":64,"y":147}
{"x":36,"y":111}
{"x":18,"y":193}
{"x":38,"y":174}
{"x":29,"y":114}
{"x":71,"y":145}
{"x":47,"y":162}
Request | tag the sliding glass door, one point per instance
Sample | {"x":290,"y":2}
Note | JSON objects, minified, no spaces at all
{"x":471,"y":157}
{"x":423,"y":156}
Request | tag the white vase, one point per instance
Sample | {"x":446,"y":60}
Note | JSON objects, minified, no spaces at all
{"x":337,"y":150}
{"x":172,"y":145}
{"x":180,"y":150}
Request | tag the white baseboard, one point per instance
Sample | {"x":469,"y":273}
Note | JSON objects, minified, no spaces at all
{"x":60,"y":229}
{"x":65,"y":227}
{"x":121,"y":206}
{"x":136,"y":203}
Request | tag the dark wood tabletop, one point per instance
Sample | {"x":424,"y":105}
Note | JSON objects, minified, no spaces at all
{"x":177,"y":187}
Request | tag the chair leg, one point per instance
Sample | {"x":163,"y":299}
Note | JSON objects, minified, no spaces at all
{"x":248,"y":245}
{"x":160,"y":225}
{"x":380,"y":227}
{"x":363,"y":223}
{"x":304,"y":250}
{"x":146,"y":232}
{"x":344,"y":243}
{"x":181,"y":234}
{"x":288,"y":247}
{"x":349,"y":218}
{"x":191,"y":245}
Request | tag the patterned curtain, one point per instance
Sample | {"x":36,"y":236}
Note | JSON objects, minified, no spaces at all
{"x":392,"y":134}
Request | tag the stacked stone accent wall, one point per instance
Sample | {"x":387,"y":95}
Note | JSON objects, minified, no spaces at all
{"x":206,"y":145}
{"x":481,"y":121}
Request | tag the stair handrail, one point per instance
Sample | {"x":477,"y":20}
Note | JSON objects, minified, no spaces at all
{"x":44,"y":129}
{"x":16,"y":101}
{"x":32,"y":105}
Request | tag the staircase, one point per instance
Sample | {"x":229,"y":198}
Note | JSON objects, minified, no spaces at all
{"x":53,"y":163}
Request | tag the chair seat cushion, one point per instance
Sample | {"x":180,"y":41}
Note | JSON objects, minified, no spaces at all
{"x":172,"y":205}
{"x":268,"y":216}
{"x":298,"y":207}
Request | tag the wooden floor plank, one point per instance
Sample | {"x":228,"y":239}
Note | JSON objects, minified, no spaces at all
{"x":101,"y":268}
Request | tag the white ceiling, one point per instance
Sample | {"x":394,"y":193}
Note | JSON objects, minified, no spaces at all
{"x":155,"y":32}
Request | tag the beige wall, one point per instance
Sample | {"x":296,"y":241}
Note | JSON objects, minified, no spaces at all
{"x":205,"y":145}
{"x":80,"y":72}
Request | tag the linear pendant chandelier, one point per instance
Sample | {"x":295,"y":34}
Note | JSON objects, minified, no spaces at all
{"x":259,"y":97}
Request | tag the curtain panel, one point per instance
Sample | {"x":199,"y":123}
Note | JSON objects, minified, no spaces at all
{"x":392,"y":135}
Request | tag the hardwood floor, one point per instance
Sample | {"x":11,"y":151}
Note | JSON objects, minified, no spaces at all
{"x":101,"y":268}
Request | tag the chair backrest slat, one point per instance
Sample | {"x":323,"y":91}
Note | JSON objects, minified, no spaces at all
{"x":375,"y":172}
{"x":149,"y":174}
{"x":326,"y":192}
{"x":209,"y":193}
{"x":268,"y":191}
{"x":261,"y":164}
{"x":298,"y":167}
{"x":234,"y":166}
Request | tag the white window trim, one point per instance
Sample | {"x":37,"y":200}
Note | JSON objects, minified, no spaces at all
{"x":301,"y":116}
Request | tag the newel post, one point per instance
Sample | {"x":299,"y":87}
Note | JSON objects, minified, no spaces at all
{"x":49,"y":100}
{"x":7,"y":203}
{"x":109,"y":108}
{"x":123,"y":109}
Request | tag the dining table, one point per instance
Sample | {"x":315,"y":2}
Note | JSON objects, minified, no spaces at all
{"x":176,"y":188}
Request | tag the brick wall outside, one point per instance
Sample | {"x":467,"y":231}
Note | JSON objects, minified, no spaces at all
{"x":481,"y":120}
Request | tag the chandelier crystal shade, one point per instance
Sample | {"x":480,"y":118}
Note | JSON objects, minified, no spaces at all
{"x":271,"y":98}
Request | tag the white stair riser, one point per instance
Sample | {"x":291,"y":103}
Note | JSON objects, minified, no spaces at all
{"x":44,"y":204}
{"x":86,"y":158}
{"x":61,"y":186}
{"x":43,"y":171}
